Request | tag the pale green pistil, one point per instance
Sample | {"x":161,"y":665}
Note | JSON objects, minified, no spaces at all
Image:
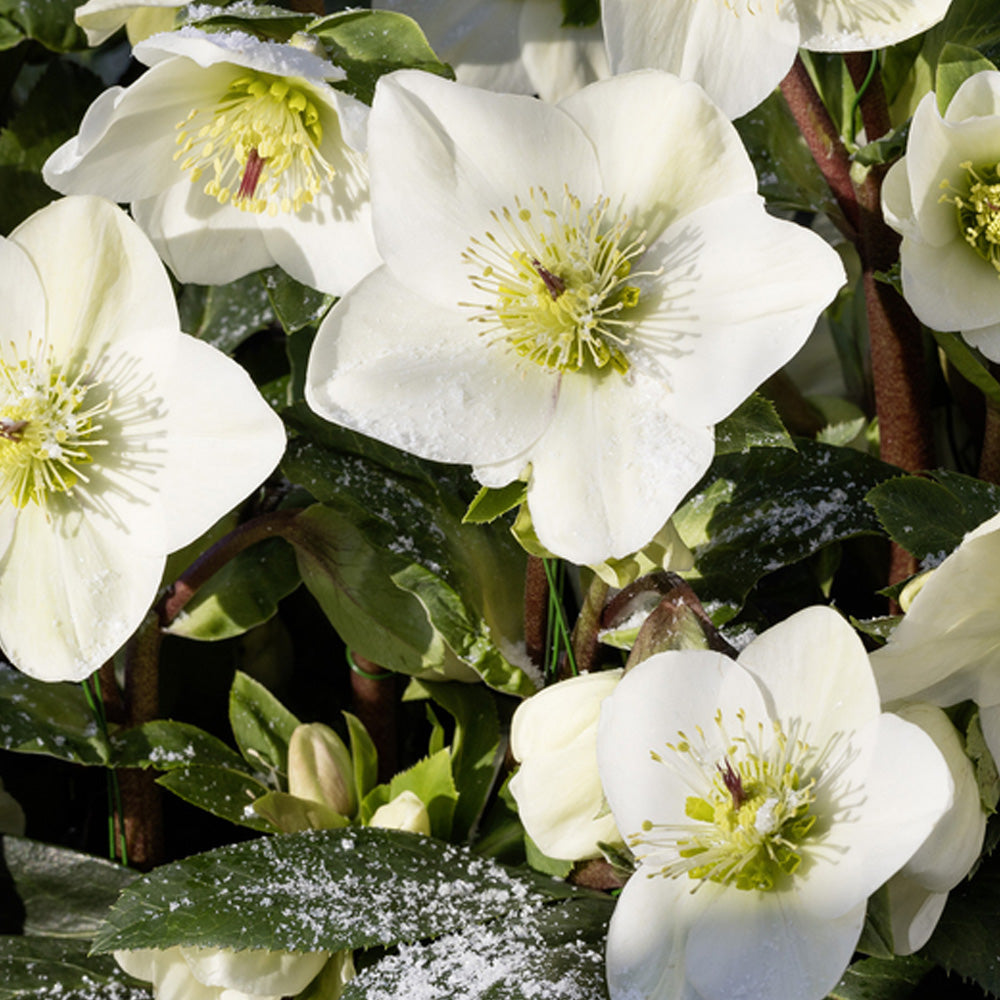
{"x":748,"y":827}
{"x":47,"y":430}
{"x":560,"y":284}
{"x":979,"y":211}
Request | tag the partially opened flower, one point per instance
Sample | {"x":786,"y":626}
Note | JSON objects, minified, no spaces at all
{"x":553,"y":736}
{"x":943,"y":196}
{"x":100,"y":19}
{"x":947,"y":648}
{"x":570,"y":295}
{"x":739,"y":50}
{"x":766,"y":799}
{"x":919,"y":890}
{"x":121,"y":439}
{"x":517,"y":46}
{"x":236,"y":154}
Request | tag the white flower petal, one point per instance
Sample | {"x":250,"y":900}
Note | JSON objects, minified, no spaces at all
{"x":100,"y":19}
{"x":833,"y":26}
{"x":897,"y":205}
{"x":21,"y":290}
{"x":468,"y":153}
{"x":559,"y":60}
{"x":398,"y":368}
{"x":914,"y":912}
{"x":738,"y":57}
{"x":977,"y":97}
{"x":766,"y":944}
{"x":280,"y":973}
{"x":612,"y":466}
{"x":985,"y":339}
{"x":657,"y":174}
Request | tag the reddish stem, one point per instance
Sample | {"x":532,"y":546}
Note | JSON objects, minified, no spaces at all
{"x":536,"y":609}
{"x":374,"y":703}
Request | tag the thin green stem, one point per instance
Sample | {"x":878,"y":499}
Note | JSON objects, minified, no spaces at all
{"x":561,"y":640}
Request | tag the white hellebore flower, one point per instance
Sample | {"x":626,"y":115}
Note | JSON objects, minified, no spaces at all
{"x":220,"y":974}
{"x":765,"y":798}
{"x":919,"y":890}
{"x":100,"y":19}
{"x":516,"y":46}
{"x":943,"y":196}
{"x":947,"y":648}
{"x":557,"y":788}
{"x":569,"y":295}
{"x":739,"y":50}
{"x":236,"y":155}
{"x":121,"y":439}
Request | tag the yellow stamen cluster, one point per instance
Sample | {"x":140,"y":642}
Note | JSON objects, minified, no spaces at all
{"x":560,"y":282}
{"x":47,"y":428}
{"x":979,"y":210}
{"x":753,"y":811}
{"x":259,"y":144}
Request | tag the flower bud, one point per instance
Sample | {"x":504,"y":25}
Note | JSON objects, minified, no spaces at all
{"x":405,"y":812}
{"x":320,"y":768}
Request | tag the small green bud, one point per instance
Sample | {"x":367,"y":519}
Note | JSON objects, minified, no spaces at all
{"x":320,"y":768}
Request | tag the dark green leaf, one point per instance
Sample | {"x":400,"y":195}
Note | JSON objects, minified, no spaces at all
{"x":295,"y":305}
{"x":263,"y":20}
{"x":38,"y":968}
{"x":220,"y":791}
{"x":53,"y":719}
{"x":882,"y":979}
{"x":65,"y":894}
{"x":755,"y":424}
{"x":321,"y":890}
{"x":888,"y":149}
{"x":47,"y":21}
{"x":225,"y":315}
{"x":164,"y":744}
{"x":489,"y":504}
{"x":370,"y":43}
{"x":241,"y":595}
{"x":363,"y":754}
{"x":580,"y":13}
{"x":969,"y":364}
{"x":987,"y":777}
{"x":261,"y":724}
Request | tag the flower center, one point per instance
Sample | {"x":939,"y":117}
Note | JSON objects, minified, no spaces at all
{"x":752,"y":814}
{"x":47,"y":429}
{"x":979,"y":210}
{"x":261,"y":142}
{"x":560,"y":282}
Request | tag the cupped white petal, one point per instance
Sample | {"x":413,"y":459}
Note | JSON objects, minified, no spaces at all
{"x":813,"y":667}
{"x":559,"y":60}
{"x":393,"y":366}
{"x":127,"y":140}
{"x":897,"y":204}
{"x":100,"y":19}
{"x":612,"y":466}
{"x":914,"y":912}
{"x":694,"y":155}
{"x":647,"y":937}
{"x":167,"y":971}
{"x":834,"y":26}
{"x":738,"y":295}
{"x":444,"y":157}
{"x":278,"y":973}
{"x":737,"y":52}
{"x":870,"y":820}
{"x":767,"y":944}
{"x":72,"y":590}
{"x":985,"y":339}
{"x":217,"y":421}
{"x":655,"y":702}
{"x":977,"y":97}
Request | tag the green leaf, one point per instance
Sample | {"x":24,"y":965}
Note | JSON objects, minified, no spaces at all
{"x":321,"y":890}
{"x":888,"y":149}
{"x":928,"y":518}
{"x":968,"y":363}
{"x":290,"y":814}
{"x":474,"y":745}
{"x":882,"y":979}
{"x":47,"y":21}
{"x":431,"y":781}
{"x":755,"y":424}
{"x":987,"y":777}
{"x":243,"y":594}
{"x":38,"y":968}
{"x":165,"y":744}
{"x":580,"y":13}
{"x":759,"y":512}
{"x":369,"y":43}
{"x":541,"y":862}
{"x":221,"y":791}
{"x":49,"y":116}
{"x":225,"y":315}
{"x":489,"y":504}
{"x":65,"y":894}
{"x":295,"y":305}
{"x":261,"y":724}
{"x":263,"y":20}
{"x":53,"y":719}
{"x":956,"y":64}
{"x":363,"y":754}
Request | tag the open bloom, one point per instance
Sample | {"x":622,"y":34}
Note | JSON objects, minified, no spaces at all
{"x":516,"y":46}
{"x":557,"y":788}
{"x":919,"y":890}
{"x":766,"y":799}
{"x":121,"y":439}
{"x":947,"y":648}
{"x":943,"y":196}
{"x":100,"y":19}
{"x":739,"y":50}
{"x":569,"y":296}
{"x":236,"y":154}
